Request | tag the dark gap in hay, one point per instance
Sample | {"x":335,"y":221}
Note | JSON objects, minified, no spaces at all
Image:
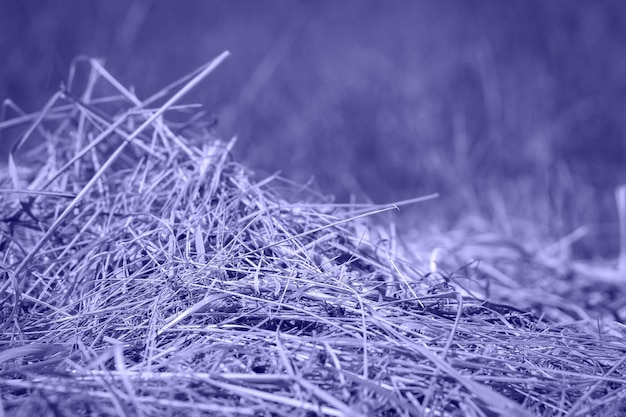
{"x":180,"y":284}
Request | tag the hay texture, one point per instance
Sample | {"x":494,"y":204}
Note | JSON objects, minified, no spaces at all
{"x":146,"y":273}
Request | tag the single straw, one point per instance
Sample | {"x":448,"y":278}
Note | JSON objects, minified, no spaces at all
{"x":620,"y":197}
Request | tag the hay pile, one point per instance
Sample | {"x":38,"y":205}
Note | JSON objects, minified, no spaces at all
{"x":146,"y":273}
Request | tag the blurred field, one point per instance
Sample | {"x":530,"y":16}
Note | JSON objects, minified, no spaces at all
{"x":511,"y":111}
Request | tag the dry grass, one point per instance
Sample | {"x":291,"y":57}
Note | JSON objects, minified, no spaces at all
{"x":144,"y":272}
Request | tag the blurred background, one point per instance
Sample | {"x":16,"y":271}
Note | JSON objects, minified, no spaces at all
{"x":512,"y":111}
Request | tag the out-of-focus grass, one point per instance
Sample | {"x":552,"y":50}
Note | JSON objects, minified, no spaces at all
{"x":509,"y":110}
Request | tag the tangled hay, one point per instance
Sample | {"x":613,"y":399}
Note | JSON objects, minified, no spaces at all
{"x":146,"y":273}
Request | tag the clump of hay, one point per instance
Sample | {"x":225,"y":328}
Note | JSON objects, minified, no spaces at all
{"x":146,"y":273}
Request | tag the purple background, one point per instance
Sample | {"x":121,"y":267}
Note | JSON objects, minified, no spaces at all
{"x":494,"y":104}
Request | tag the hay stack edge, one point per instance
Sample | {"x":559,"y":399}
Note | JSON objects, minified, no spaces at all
{"x":146,"y":273}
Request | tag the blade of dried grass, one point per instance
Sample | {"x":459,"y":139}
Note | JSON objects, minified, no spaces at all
{"x":37,"y":123}
{"x":37,"y":192}
{"x":320,"y":228}
{"x":118,"y":356}
{"x":620,"y":197}
{"x":133,"y":99}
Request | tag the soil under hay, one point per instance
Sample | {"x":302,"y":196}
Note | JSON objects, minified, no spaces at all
{"x":147,"y":273}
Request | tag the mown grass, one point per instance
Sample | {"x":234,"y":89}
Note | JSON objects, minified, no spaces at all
{"x":146,"y":272}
